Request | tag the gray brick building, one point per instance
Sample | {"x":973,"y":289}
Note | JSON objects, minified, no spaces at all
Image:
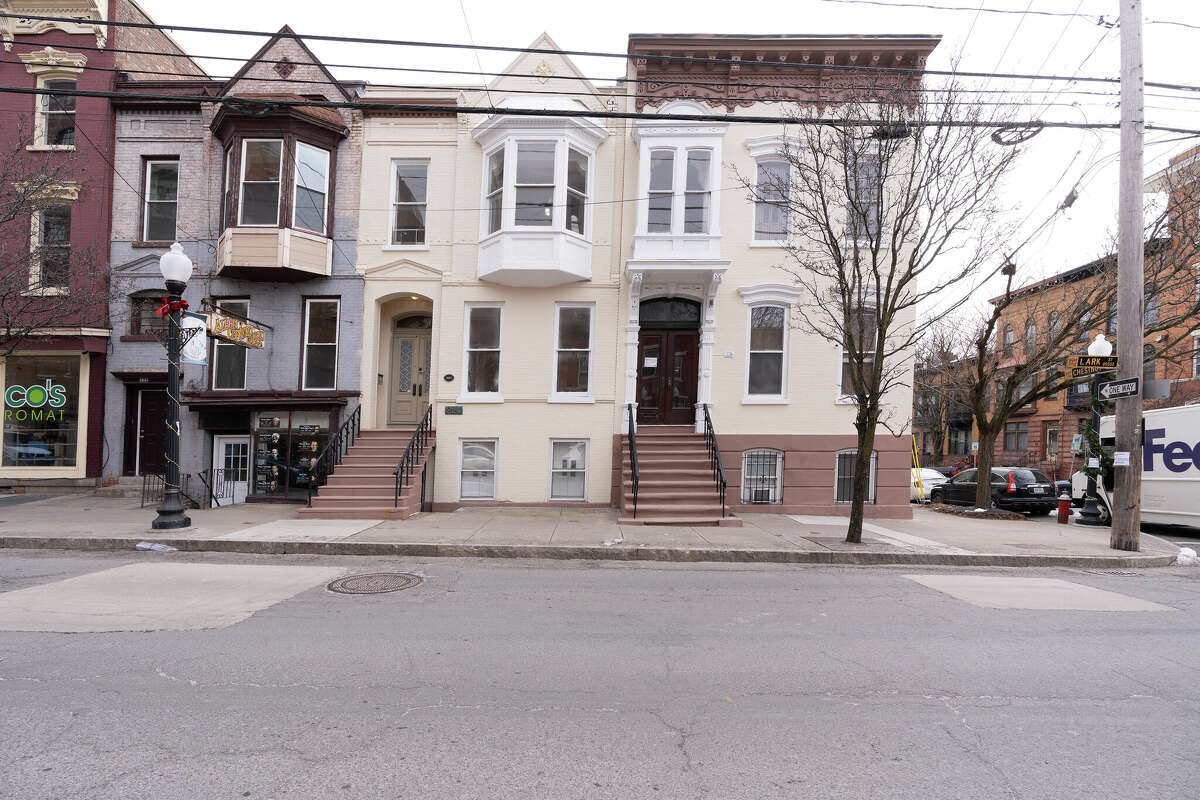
{"x":263,"y":198}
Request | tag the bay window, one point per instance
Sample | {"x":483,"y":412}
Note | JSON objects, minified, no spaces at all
{"x":261,"y":166}
{"x":320,"y":344}
{"x":577,"y":189}
{"x":547,"y":186}
{"x":311,"y":188}
{"x":534,"y":185}
{"x":495,"y":190}
{"x":573,"y":350}
{"x":483,"y":349}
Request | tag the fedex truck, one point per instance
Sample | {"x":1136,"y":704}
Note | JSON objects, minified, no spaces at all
{"x":1170,"y":467}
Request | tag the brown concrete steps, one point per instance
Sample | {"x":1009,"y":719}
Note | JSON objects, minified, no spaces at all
{"x":363,"y":485}
{"x":675,"y":480}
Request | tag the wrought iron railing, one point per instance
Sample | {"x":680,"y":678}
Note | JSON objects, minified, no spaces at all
{"x":154,"y":483}
{"x":339,"y":445}
{"x":714,"y":457}
{"x":221,"y":484}
{"x":412,"y":454}
{"x":633,"y":458}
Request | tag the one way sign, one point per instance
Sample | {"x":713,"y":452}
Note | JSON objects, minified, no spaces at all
{"x":1115,"y":390}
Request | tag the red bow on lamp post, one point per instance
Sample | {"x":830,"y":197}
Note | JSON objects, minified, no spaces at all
{"x":171,"y":305}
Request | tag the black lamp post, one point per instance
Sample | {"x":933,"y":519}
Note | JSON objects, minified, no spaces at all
{"x":1090,"y":513}
{"x":176,"y":268}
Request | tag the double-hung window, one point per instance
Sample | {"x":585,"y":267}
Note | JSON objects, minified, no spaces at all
{"x":162,"y":201}
{"x":1030,"y":336}
{"x":667,"y":186}
{"x":771,"y":218}
{"x":1016,"y":437}
{"x":483,"y":349}
{"x":495,"y":190}
{"x":312,"y":188}
{"x":261,"y":164}
{"x":477,"y":470}
{"x":864,"y":183}
{"x":577,"y":189}
{"x":844,"y":478}
{"x":410,"y":185}
{"x":568,"y":470}
{"x":697,"y":192}
{"x":768,"y":328}
{"x":52,"y":261}
{"x":58,"y":114}
{"x":320,"y":343}
{"x":762,"y":476}
{"x":535,"y":184}
{"x":862,"y":327}
{"x":661,"y":195}
{"x":573,"y":350}
{"x":229,"y":359}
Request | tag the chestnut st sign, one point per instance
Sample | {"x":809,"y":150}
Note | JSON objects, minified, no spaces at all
{"x":235,"y":330}
{"x":1080,"y":366}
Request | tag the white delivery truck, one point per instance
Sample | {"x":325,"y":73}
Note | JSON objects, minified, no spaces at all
{"x":1170,"y":467}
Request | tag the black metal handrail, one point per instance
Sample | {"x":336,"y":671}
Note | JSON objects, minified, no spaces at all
{"x":714,"y":457}
{"x":633,"y":459}
{"x":338,"y":446}
{"x":412,"y":453}
{"x":155,"y":483}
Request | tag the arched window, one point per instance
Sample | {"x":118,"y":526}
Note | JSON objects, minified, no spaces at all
{"x":1009,"y":337}
{"x":762,"y":476}
{"x":1030,"y":336}
{"x":1055,"y":326}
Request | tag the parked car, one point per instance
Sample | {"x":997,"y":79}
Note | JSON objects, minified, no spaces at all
{"x":923,"y":482}
{"x":947,"y":472}
{"x":1013,"y":489}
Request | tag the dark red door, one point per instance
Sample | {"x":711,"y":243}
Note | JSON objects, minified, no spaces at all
{"x":667,"y":362}
{"x":152,"y":431}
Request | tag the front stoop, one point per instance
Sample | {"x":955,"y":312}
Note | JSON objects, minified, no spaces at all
{"x":363,"y":486}
{"x":675,"y":482}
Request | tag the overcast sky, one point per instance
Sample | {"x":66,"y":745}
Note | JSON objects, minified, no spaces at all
{"x":1056,"y":159}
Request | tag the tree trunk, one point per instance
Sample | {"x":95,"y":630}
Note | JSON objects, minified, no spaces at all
{"x":862,"y":478}
{"x":983,"y":463}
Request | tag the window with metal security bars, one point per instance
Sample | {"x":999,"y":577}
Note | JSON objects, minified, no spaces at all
{"x":844,"y":481}
{"x":762,"y":476}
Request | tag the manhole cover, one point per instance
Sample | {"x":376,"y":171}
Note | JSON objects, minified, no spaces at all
{"x":374,"y":583}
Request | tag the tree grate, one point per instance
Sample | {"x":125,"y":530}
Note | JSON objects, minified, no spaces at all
{"x":374,"y":583}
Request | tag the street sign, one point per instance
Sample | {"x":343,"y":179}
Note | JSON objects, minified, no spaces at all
{"x":1079,"y":366}
{"x":1114,"y":390}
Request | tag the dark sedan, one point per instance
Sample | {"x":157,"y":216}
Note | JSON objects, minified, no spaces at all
{"x":1013,"y":489}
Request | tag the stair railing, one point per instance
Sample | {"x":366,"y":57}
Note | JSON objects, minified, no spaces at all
{"x":412,"y":453}
{"x":633,"y":458}
{"x":714,"y":457}
{"x":337,"y":448}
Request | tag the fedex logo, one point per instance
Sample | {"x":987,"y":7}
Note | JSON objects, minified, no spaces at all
{"x":1176,"y":456}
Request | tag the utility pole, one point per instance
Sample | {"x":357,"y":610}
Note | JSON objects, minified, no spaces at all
{"x":1126,"y":510}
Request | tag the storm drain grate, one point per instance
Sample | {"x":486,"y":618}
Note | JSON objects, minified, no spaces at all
{"x":374,"y":583}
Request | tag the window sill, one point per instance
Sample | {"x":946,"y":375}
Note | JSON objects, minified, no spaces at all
{"x":151,"y":244}
{"x":570,"y":398}
{"x":771,"y":244}
{"x":46,"y":291}
{"x":416,"y":247}
{"x":480,"y":398}
{"x":765,"y":400}
{"x":50,"y":148}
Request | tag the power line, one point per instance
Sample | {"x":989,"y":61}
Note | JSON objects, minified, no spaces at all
{"x":266,"y":105}
{"x":584,"y":53}
{"x":1097,"y":19}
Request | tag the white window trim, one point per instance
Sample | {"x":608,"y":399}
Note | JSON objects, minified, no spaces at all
{"x":480,"y":397}
{"x":787,"y":240}
{"x":241,"y":194}
{"x":37,"y":64}
{"x":872,"y":486}
{"x":679,"y":189}
{"x":35,"y":288}
{"x":573,"y":397}
{"x":777,"y":489}
{"x":392,"y":203}
{"x":587,"y":455}
{"x":337,"y":336}
{"x":564,"y":140}
{"x":217,"y":344}
{"x":146,"y":201}
{"x":495,"y":466}
{"x":296,"y":188}
{"x":767,"y":399}
{"x":850,"y":241}
{"x":1196,"y":354}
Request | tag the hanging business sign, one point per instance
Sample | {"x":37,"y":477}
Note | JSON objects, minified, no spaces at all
{"x":235,"y":330}
{"x":195,"y":347}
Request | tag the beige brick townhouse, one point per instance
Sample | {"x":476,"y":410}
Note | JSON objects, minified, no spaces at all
{"x":534,"y":283}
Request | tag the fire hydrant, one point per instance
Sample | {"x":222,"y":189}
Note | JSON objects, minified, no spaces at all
{"x":1064,"y":508}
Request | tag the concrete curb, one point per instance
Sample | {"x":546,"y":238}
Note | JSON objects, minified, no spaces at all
{"x":565,"y":552}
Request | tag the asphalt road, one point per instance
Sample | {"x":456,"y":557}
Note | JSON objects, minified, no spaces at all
{"x":506,"y":679}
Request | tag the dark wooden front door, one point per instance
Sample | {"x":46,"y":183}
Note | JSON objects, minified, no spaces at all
{"x":151,"y":431}
{"x":667,"y":363}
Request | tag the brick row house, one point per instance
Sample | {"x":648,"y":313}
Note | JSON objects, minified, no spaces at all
{"x":57,"y":194}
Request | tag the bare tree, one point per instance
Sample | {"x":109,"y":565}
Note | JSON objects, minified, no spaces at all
{"x":880,"y":218}
{"x":935,"y":397}
{"x":44,"y":283}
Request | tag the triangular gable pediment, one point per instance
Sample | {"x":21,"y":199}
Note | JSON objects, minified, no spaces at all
{"x":401,"y":269}
{"x":544,"y":72}
{"x":142,"y":265}
{"x":285,"y":57}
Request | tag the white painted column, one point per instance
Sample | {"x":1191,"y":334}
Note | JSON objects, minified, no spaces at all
{"x":707,"y":336}
{"x":632,"y":328}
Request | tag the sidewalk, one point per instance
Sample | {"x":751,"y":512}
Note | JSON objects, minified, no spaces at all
{"x":92,"y":522}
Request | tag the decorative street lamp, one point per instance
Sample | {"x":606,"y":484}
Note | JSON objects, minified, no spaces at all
{"x":1090,"y":513}
{"x":176,"y":268}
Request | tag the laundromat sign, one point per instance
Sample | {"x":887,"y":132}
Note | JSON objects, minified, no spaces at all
{"x":38,"y":402}
{"x":237,"y":331}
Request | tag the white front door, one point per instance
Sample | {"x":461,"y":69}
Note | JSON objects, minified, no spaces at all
{"x":230,"y":469}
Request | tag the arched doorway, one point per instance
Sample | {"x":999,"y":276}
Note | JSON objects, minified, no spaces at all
{"x":408,"y":389}
{"x":668,"y":360}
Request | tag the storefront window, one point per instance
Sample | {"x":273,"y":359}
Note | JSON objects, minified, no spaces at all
{"x":41,"y":411}
{"x":286,"y":446}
